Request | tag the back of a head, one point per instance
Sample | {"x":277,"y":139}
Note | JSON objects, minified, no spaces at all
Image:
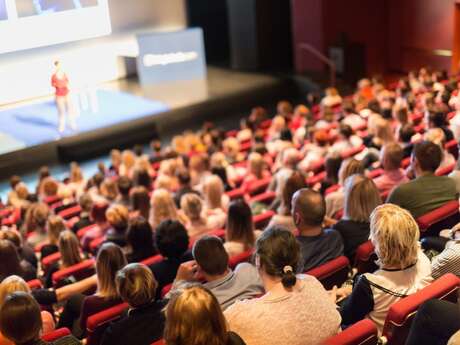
{"x":69,"y":247}
{"x":213,"y":189}
{"x":392,"y":156}
{"x":54,"y":227}
{"x":436,"y":136}
{"x":361,"y":198}
{"x":171,"y":239}
{"x":36,"y":216}
{"x":12,"y":284}
{"x":98,"y":212}
{"x":295,"y":182}
{"x":184,"y":177}
{"x":406,"y":133}
{"x":210,"y":255}
{"x":50,"y":186}
{"x":350,"y":167}
{"x":140,"y":234}
{"x":14,"y":180}
{"x":12,"y":235}
{"x":346,"y":131}
{"x":117,"y":215}
{"x":308,"y":207}
{"x":332,"y":166}
{"x":20,"y":318}
{"x":136,"y":285}
{"x":278,"y":254}
{"x":195,"y":317}
{"x":86,"y":202}
{"x":109,"y":189}
{"x":192,"y":206}
{"x":428,"y":156}
{"x":290,"y":157}
{"x":10,"y":260}
{"x":394,"y":234}
{"x":240,"y":227}
{"x":110,"y":259}
{"x":124,"y":185}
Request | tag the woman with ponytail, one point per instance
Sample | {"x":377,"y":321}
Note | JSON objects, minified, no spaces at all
{"x":295,"y":309}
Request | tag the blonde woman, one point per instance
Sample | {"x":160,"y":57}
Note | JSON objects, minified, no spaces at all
{"x":14,"y":284}
{"x":77,"y":181}
{"x":196,"y":225}
{"x":54,"y":226}
{"x":231,"y":149}
{"x":162,"y":207}
{"x":109,"y":190}
{"x":198,"y":165}
{"x":214,"y":194}
{"x":361,"y":198}
{"x":128,"y":160}
{"x":404,"y":269}
{"x":257,"y":170}
{"x":195,"y":317}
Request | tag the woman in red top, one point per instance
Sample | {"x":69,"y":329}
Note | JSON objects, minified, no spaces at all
{"x":60,"y":82}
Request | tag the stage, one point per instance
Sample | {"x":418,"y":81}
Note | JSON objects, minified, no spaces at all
{"x":126,"y":114}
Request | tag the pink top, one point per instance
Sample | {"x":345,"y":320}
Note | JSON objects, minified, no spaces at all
{"x":390,"y":179}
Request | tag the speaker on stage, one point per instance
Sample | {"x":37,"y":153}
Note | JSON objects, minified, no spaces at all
{"x":260,"y":34}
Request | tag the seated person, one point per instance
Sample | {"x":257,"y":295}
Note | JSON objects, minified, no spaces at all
{"x":117,"y":216}
{"x":211,"y":264}
{"x":98,"y":216}
{"x":21,"y":321}
{"x":317,"y":245}
{"x":185,"y":187}
{"x":143,"y":322}
{"x":86,"y":203}
{"x":197,"y":224}
{"x":404,"y":269}
{"x":391,"y":157}
{"x":284,"y":314}
{"x":139,"y":238}
{"x":428,"y":191}
{"x":172,"y":242}
{"x":12,"y":264}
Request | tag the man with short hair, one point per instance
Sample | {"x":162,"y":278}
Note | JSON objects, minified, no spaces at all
{"x":124,"y":184}
{"x":211,"y":265}
{"x":428,"y":191}
{"x":391,"y":157}
{"x":317,"y":245}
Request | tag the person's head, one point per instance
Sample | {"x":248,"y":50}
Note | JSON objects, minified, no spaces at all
{"x":124,"y":185}
{"x":345,"y":131}
{"x":295,"y":182}
{"x":290,"y":157}
{"x":12,"y":235}
{"x":332,"y":167}
{"x":20,"y":318}
{"x":69,"y":247}
{"x":402,"y":116}
{"x":406,"y":132}
{"x":162,"y":207}
{"x":394,"y":234}
{"x":43,"y":173}
{"x":109,"y":189}
{"x":183,"y":177}
{"x":115,"y":158}
{"x":198,"y":163}
{"x":139,"y":235}
{"x":278,"y":123}
{"x":171,"y":239}
{"x":284,"y":108}
{"x":361,"y":198}
{"x":213,"y":190}
{"x":210,"y":256}
{"x":278,"y":255}
{"x":14,"y":180}
{"x":36,"y":217}
{"x":138,"y":150}
{"x":331,"y":92}
{"x":286,"y":135}
{"x":136,"y":285}
{"x":195,"y":317}
{"x":256,"y":164}
{"x":231,"y":147}
{"x":349,"y":167}
{"x":308,"y":208}
{"x":436,"y":136}
{"x":98,"y":212}
{"x":128,"y":159}
{"x":142,"y":178}
{"x":50,"y":186}
{"x":110,"y":259}
{"x":192,"y":206}
{"x":9,"y":258}
{"x":54,"y":226}
{"x":383,"y":131}
{"x":391,"y":156}
{"x":12,"y":284}
{"x":321,"y":138}
{"x":76,"y":175}
{"x":437,"y":118}
{"x":426,"y":157}
{"x":117,"y":215}
{"x":240,"y":227}
{"x":140,"y":201}
{"x":86,"y":202}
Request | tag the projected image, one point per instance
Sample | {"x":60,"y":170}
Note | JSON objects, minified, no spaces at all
{"x":27,"y":8}
{"x":3,"y":14}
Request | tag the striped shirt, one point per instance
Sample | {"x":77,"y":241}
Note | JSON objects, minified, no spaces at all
{"x":448,"y":261}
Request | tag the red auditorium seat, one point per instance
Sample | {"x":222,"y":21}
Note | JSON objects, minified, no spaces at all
{"x":317,"y":166}
{"x":451,"y":115}
{"x":318,"y":178}
{"x":265,"y":198}
{"x":83,"y":231}
{"x":446,"y":170}
{"x":334,"y":272}
{"x":452,"y":147}
{"x":70,"y":212}
{"x":56,"y":334}
{"x":97,"y":323}
{"x":159,"y":342}
{"x":363,"y":332}
{"x":401,"y":313}
{"x":165,"y":290}
{"x":352,"y":152}
{"x":444,"y":217}
{"x":219,"y":233}
{"x":261,"y":220}
{"x":405,"y":162}
{"x":365,"y":258}
{"x":259,"y":186}
{"x":416,"y":118}
{"x":332,"y":189}
{"x":236,"y":193}
{"x":78,"y":272}
{"x":246,"y":146}
{"x":35,"y":284}
{"x":152,"y":260}
{"x":375,"y":173}
{"x":243,"y":257}
{"x":49,"y":200}
{"x":231,"y":133}
{"x":47,"y":261}
{"x":96,"y":243}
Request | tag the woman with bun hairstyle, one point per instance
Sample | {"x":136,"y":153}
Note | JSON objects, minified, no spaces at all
{"x":290,"y":300}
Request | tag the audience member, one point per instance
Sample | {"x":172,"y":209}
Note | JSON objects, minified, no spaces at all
{"x":140,"y":202}
{"x":86,"y":203}
{"x":117,"y":216}
{"x":12,"y":264}
{"x":391,"y":157}
{"x":183,"y":177}
{"x":139,"y":238}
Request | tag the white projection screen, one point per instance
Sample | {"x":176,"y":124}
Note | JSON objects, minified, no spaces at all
{"x":26,"y":24}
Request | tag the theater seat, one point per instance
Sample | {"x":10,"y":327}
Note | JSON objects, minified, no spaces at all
{"x":152,"y":260}
{"x":47,"y":261}
{"x":236,"y":193}
{"x":35,"y":284}
{"x":165,"y":290}
{"x":261,"y":220}
{"x":444,"y":217}
{"x":334,"y":272}
{"x":401,"y":313}
{"x":70,"y":212}
{"x":159,"y":342}
{"x":265,"y":198}
{"x":446,"y":170}
{"x":332,"y":189}
{"x":76,"y":272}
{"x":259,"y":186}
{"x":56,"y":334}
{"x":352,"y":152}
{"x":363,"y":332}
{"x":97,"y":323}
{"x":83,"y":231}
{"x":219,"y":233}
{"x":365,"y":258}
{"x":318,"y":178}
{"x":375,"y":173}
{"x":95,"y":244}
{"x":243,"y":257}
{"x":452,"y":147}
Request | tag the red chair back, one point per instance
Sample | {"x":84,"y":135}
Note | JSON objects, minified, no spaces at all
{"x":363,"y":332}
{"x":264,"y":198}
{"x":365,"y":258}
{"x":334,"y":272}
{"x":81,"y":232}
{"x":236,"y":193}
{"x":97,"y":323}
{"x":352,"y":152}
{"x":318,"y":178}
{"x":79,"y":271}
{"x":452,"y":147}
{"x":35,"y":284}
{"x":152,"y":260}
{"x":159,"y":342}
{"x":56,"y":334}
{"x":444,"y":217}
{"x":70,"y":212}
{"x":401,"y":313}
{"x":446,"y":170}
{"x":243,"y":257}
{"x":47,"y":261}
{"x":165,"y":290}
{"x":259,"y":186}
{"x":261,"y":220}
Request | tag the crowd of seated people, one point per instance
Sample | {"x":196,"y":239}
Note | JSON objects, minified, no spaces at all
{"x":210,"y":239}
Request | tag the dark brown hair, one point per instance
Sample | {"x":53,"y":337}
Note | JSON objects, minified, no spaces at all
{"x":210,"y":255}
{"x":240,"y":227}
{"x":9,"y":258}
{"x":428,"y":155}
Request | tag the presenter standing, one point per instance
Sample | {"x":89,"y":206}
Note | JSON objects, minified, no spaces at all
{"x":60,"y":82}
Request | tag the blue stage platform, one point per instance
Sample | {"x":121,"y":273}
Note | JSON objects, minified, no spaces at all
{"x":36,"y":124}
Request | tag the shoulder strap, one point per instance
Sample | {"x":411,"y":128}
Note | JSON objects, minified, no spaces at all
{"x":384,"y":289}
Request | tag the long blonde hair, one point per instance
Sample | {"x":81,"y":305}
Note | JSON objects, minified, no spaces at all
{"x":192,"y":206}
{"x":69,"y":247}
{"x":361,"y":198}
{"x":54,"y":227}
{"x":110,"y":259}
{"x":12,"y":284}
{"x":162,"y":207}
{"x":256,"y":164}
{"x":213,"y":190}
{"x":195,"y":318}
